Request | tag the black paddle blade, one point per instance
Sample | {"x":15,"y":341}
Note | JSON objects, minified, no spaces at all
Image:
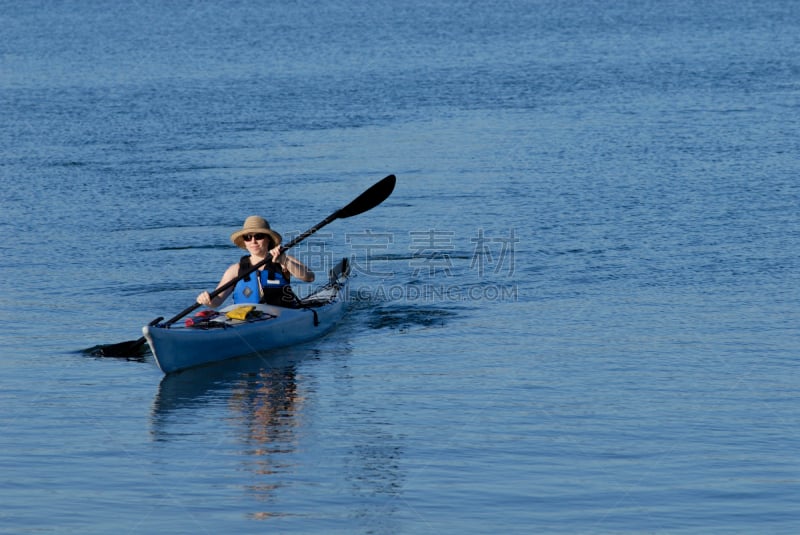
{"x":376,"y":194}
{"x":371,"y":198}
{"x":131,"y":349}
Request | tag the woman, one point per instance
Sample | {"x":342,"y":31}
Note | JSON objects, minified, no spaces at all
{"x":270,"y":283}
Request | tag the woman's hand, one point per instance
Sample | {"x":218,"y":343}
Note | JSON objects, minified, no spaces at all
{"x":204,"y":299}
{"x":275,"y":252}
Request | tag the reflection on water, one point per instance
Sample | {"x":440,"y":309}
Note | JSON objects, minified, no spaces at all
{"x":261,"y":399}
{"x":264,"y":402}
{"x":196,"y":387}
{"x":266,"y":405}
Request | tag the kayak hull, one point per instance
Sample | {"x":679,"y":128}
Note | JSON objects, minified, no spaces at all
{"x":177,"y":347}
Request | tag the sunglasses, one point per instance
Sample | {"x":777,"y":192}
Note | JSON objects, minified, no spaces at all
{"x":251,"y":237}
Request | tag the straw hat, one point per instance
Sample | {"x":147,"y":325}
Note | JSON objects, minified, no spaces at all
{"x":255,"y":225}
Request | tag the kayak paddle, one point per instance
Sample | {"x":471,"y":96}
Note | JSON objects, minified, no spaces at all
{"x":371,"y":198}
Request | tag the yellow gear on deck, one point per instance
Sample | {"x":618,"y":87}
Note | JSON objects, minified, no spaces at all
{"x":240,"y":313}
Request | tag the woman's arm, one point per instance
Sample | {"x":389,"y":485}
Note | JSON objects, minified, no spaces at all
{"x":205,"y":298}
{"x":295,"y":267}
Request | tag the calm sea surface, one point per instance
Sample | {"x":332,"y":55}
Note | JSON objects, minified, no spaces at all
{"x":577,"y":313}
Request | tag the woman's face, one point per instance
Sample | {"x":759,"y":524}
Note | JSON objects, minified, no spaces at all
{"x":257,"y":244}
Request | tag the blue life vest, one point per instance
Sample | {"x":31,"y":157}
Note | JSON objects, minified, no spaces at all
{"x":274,"y":284}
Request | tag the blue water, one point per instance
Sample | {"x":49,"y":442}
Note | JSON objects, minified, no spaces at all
{"x":577,"y":313}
